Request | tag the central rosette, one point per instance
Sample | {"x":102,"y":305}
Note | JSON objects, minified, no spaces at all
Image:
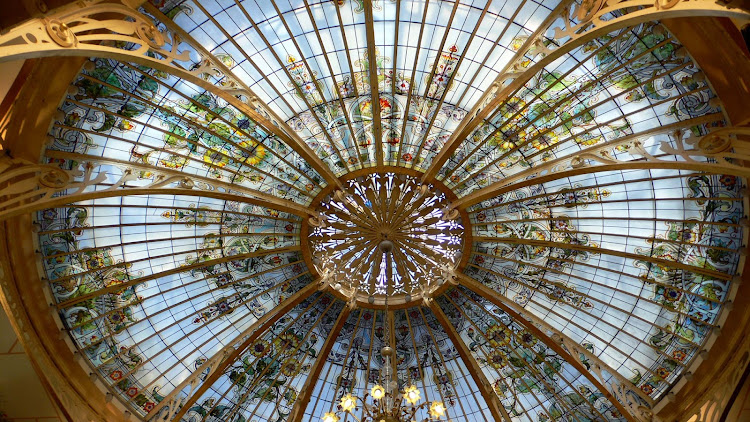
{"x":386,"y":234}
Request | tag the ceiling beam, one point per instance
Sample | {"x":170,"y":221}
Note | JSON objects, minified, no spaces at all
{"x":224,"y":358}
{"x":512,"y":309}
{"x":493,"y":403}
{"x":372,"y":67}
{"x":298,"y":412}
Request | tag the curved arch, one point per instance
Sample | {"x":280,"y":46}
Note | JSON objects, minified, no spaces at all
{"x":88,"y":29}
{"x":590,"y":27}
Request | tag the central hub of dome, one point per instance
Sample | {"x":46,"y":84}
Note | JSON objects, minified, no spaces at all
{"x":386,"y":234}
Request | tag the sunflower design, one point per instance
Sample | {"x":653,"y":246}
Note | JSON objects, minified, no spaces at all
{"x":291,"y":367}
{"x":498,"y":336}
{"x":252,"y":153}
{"x":287,"y":342}
{"x":215,"y":158}
{"x":260,"y":348}
{"x":527,"y":339}
{"x":496,"y":359}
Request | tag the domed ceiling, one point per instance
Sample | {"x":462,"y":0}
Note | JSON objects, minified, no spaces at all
{"x":543,"y":263}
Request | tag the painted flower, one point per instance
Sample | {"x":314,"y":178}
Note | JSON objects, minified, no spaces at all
{"x":215,"y":158}
{"x":116,"y":375}
{"x":149,"y":406}
{"x":287,"y":342}
{"x":291,"y":367}
{"x":672,"y":295}
{"x":647,"y":388}
{"x":498,"y":335}
{"x":407,"y":157}
{"x":728,"y":181}
{"x":687,"y":236}
{"x":384,"y":104}
{"x":662,"y":372}
{"x":260,"y":348}
{"x":252,"y":154}
{"x":679,"y":355}
{"x":496,"y":359}
{"x":289,"y":227}
{"x":132,"y":392}
{"x":527,"y":339}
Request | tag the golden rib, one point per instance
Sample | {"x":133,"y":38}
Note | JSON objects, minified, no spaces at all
{"x":496,"y":408}
{"x":372,"y":67}
{"x":493,"y":298}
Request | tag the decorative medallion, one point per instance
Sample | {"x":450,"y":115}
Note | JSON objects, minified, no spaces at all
{"x":386,"y":234}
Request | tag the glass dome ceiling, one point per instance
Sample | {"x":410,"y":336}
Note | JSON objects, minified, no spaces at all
{"x":543,"y":269}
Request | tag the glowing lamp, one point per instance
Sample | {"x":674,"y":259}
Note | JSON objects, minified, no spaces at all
{"x":348,"y":403}
{"x":411,"y":394}
{"x":377,"y":392}
{"x":330,"y":417}
{"x":437,"y":409}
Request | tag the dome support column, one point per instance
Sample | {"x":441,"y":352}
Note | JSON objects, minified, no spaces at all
{"x":624,"y":396}
{"x":493,"y":403}
{"x":372,"y":67}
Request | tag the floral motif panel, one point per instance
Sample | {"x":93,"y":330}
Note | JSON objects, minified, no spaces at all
{"x":634,"y":263}
{"x":114,"y":267}
{"x":624,"y":83}
{"x":533,"y":382}
{"x":265,"y":381}
{"x":126,"y":112}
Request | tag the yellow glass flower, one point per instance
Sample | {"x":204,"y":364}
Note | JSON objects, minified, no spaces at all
{"x":437,"y":409}
{"x":411,"y":394}
{"x":348,"y":403}
{"x":377,"y":392}
{"x":330,"y":417}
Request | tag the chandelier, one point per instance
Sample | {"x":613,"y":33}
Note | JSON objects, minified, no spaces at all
{"x":388,"y":404}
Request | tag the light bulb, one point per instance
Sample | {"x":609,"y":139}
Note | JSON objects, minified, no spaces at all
{"x":411,"y":394}
{"x":437,"y":409}
{"x":348,"y":403}
{"x":330,"y":417}
{"x":377,"y":392}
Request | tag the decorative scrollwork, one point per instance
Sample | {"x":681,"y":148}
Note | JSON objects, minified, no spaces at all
{"x":26,"y":183}
{"x":637,"y":404}
{"x":588,"y":9}
{"x":97,"y":26}
{"x":713,"y":150}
